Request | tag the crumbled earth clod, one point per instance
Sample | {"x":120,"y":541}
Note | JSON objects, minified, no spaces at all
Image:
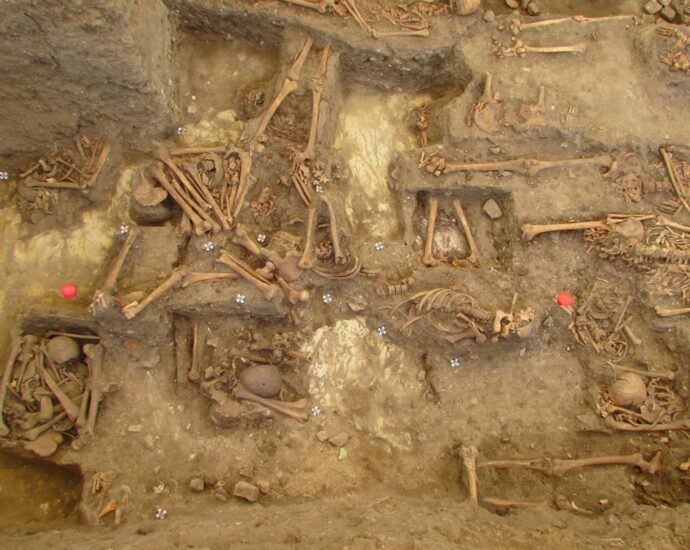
{"x":246,"y":491}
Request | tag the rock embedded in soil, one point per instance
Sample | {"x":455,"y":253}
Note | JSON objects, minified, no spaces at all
{"x":196,"y":484}
{"x":340,"y":440}
{"x":533,"y":9}
{"x":668,"y":13}
{"x":264,"y":486}
{"x":512,"y":4}
{"x":246,"y":491}
{"x":489,"y":16}
{"x":492,"y":209}
{"x":652,"y":7}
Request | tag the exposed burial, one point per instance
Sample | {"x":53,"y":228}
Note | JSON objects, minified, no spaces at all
{"x":345,"y":273}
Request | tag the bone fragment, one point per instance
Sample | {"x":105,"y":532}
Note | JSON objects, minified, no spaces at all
{"x":200,"y":226}
{"x":559,"y":467}
{"x":474,"y":249}
{"x":248,"y":274}
{"x":199,"y":277}
{"x":240,"y":392}
{"x":15,"y":348}
{"x":135,"y":308}
{"x":428,"y":258}
{"x":321,"y":6}
{"x":469,"y":459}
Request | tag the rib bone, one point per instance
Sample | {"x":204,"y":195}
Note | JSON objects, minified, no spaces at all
{"x":474,"y":249}
{"x":559,"y":467}
{"x":428,"y":258}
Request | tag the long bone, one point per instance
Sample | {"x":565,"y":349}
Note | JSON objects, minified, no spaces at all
{"x":574,"y":19}
{"x":193,"y":374}
{"x":67,"y":404}
{"x":94,"y":358}
{"x":614,"y":424}
{"x":322,"y":6}
{"x":83,"y":411}
{"x":287,"y":267}
{"x":190,"y":169}
{"x":520,"y":49}
{"x":33,"y":433}
{"x":200,"y":226}
{"x":307,"y":259}
{"x":662,"y":220}
{"x":474,"y":249}
{"x":428,"y":258}
{"x":199,"y":277}
{"x":559,"y":467}
{"x":135,"y":308}
{"x":469,"y":459}
{"x":293,"y":295}
{"x":115,"y":267}
{"x":316,"y":91}
{"x":335,"y":238}
{"x":7,"y":374}
{"x":290,"y":84}
{"x":243,"y":185}
{"x":438,"y":165}
{"x":673,"y":176}
{"x":196,"y":201}
{"x":644,"y":373}
{"x":25,"y":357}
{"x":248,"y":274}
{"x":669,"y":312}
{"x":240,"y":392}
{"x":485,"y":117}
{"x":529,"y":231}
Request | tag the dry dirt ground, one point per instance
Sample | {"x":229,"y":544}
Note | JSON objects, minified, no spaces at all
{"x":402,"y":307}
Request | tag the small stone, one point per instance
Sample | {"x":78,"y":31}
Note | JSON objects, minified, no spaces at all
{"x":421,"y":375}
{"x":524,"y":4}
{"x":342,"y":454}
{"x":247,"y":471}
{"x":533,"y":9}
{"x":322,"y":435}
{"x":512,"y":4}
{"x":221,"y":494}
{"x":492,"y":209}
{"x":668,"y":13}
{"x":246,"y":491}
{"x":652,"y":7}
{"x":149,"y":442}
{"x":135,"y":428}
{"x":495,"y":150}
{"x":196,"y":484}
{"x":264,"y":486}
{"x":474,"y":401}
{"x":489,"y":16}
{"x":340,"y":440}
{"x":664,"y":2}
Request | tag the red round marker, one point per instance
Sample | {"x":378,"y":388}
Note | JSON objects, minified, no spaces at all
{"x":564,"y":298}
{"x":68,"y":290}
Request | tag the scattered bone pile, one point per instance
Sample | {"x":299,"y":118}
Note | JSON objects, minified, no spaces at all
{"x":457,"y":316}
{"x":248,"y":384}
{"x":51,"y":391}
{"x":70,"y":169}
{"x":677,"y":58}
